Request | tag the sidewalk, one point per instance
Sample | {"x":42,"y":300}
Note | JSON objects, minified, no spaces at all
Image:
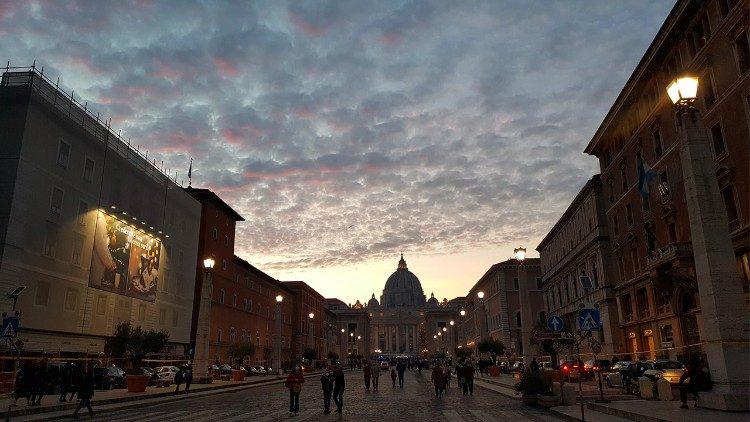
{"x":111,"y":400}
{"x":664,"y":411}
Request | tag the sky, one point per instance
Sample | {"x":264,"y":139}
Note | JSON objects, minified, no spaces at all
{"x":348,"y":132}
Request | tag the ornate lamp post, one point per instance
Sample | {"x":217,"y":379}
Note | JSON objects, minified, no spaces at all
{"x":203,"y":332}
{"x":277,"y":338}
{"x":723,"y":307}
{"x":310,"y":335}
{"x":527,"y":319}
{"x":480,"y":316}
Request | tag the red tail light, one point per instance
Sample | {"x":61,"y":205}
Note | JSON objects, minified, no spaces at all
{"x":565,"y":368}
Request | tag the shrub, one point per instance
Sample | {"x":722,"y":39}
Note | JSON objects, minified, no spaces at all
{"x":534,"y":382}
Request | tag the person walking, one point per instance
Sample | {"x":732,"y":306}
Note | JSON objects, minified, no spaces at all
{"x":400,"y":369}
{"x":294,"y":383}
{"x":375,"y":374}
{"x":393,"y":376}
{"x":22,"y":386}
{"x":460,"y":374}
{"x":437,"y":380}
{"x":85,"y":393}
{"x":468,"y":375}
{"x":534,"y":365}
{"x":366,"y":372}
{"x":447,"y":376}
{"x":76,"y":375}
{"x":64,"y":381}
{"x":326,"y":384}
{"x":188,"y":377}
{"x":41,"y":377}
{"x":339,"y":383}
{"x":178,"y":379}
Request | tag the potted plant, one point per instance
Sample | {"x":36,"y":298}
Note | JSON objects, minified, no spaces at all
{"x":494,"y":348}
{"x":531,"y":385}
{"x":133,"y":344}
{"x":237,"y":353}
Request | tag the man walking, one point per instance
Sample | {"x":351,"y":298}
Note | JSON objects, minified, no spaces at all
{"x":366,"y":372}
{"x":375,"y":374}
{"x":326,"y":383}
{"x":400,"y":369}
{"x":468,"y":376}
{"x":437,"y":380}
{"x":85,"y":393}
{"x":178,"y":379}
{"x":338,"y":389}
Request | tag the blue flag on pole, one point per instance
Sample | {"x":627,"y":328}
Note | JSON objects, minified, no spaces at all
{"x":645,"y":174}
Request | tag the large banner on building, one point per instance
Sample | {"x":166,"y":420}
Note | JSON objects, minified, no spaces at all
{"x":125,"y":260}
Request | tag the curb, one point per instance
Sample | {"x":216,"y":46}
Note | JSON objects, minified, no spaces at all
{"x":625,"y":414}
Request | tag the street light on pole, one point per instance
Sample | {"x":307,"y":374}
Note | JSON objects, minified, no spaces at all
{"x":277,"y":338}
{"x":203,"y":332}
{"x":311,"y":336}
{"x":519,"y":254}
{"x":719,"y":282}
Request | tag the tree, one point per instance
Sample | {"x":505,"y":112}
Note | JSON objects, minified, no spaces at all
{"x":239,"y":351}
{"x":491,"y":346}
{"x":134,"y":343}
{"x":310,"y":354}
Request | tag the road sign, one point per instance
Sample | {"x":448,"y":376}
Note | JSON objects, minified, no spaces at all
{"x":596,"y":347}
{"x":588,"y":320}
{"x":10,"y":327}
{"x":555,"y":324}
{"x":538,"y":335}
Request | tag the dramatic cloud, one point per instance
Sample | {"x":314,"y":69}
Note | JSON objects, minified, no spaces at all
{"x":346,"y":132}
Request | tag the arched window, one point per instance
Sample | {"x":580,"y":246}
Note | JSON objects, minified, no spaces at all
{"x":687,"y":302}
{"x":222,"y":296}
{"x":234,"y":300}
{"x":518,"y":319}
{"x":218,"y":337}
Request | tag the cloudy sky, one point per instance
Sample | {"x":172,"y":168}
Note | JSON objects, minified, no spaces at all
{"x":346,"y":132}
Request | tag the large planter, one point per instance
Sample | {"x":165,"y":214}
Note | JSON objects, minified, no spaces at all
{"x":547,"y":401}
{"x":238,"y":375}
{"x":494,"y":371}
{"x":529,"y":399}
{"x":137,"y":383}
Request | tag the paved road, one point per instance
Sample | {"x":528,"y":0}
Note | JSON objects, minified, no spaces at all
{"x":415,"y":402}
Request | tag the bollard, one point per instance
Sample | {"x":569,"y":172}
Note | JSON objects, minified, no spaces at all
{"x":569,"y":394}
{"x":664,"y":390}
{"x":647,"y":389}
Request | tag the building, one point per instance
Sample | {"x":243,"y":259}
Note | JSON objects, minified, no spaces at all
{"x":352,"y":329}
{"x":94,"y":231}
{"x":505,"y":304}
{"x":576,"y":263}
{"x":654,"y":276}
{"x":307,"y":319}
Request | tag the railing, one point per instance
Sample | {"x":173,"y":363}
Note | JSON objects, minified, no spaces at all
{"x":668,"y":253}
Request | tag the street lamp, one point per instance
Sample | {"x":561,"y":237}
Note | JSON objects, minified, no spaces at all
{"x":519,"y":253}
{"x":203,"y":332}
{"x":311,"y":338}
{"x":452,"y":322}
{"x":683,"y":90}
{"x":480,"y":294}
{"x":463,"y":312}
{"x":719,"y":283}
{"x":525,"y":298}
{"x":277,"y":338}
{"x":279,"y":298}
{"x":445,"y":328}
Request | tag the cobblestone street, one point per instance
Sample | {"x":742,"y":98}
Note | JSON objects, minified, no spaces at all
{"x":269,"y":403}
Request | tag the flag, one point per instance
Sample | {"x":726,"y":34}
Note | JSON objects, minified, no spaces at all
{"x":190,"y":173}
{"x":645,"y":174}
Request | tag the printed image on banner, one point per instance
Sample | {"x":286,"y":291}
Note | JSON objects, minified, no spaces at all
{"x":125,"y":260}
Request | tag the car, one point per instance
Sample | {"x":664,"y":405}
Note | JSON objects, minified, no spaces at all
{"x":546,"y":366}
{"x":575,"y":370}
{"x":147,"y":370}
{"x":599,"y":365}
{"x":226,"y":369}
{"x":670,"y":370}
{"x":614,"y":376}
{"x":109,"y":377}
{"x":517,"y":367}
{"x":165,"y":375}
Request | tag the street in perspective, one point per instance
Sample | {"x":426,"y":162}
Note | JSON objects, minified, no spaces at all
{"x":395,"y":210}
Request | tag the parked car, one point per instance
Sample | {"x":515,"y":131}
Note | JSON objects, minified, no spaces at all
{"x":147,"y":370}
{"x":599,"y":365}
{"x":670,"y":370}
{"x":165,"y":375}
{"x":573,"y":370}
{"x":225,"y":369}
{"x":109,"y":377}
{"x":546,"y":366}
{"x":517,"y":367}
{"x":614,"y":376}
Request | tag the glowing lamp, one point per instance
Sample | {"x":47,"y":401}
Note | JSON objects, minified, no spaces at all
{"x":480,"y":294}
{"x":463,"y":313}
{"x":519,"y":253}
{"x":453,"y":322}
{"x":279,"y":298}
{"x":311,"y":315}
{"x":683,"y":90}
{"x":208,"y":263}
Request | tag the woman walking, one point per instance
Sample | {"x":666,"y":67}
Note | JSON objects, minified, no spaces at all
{"x":85,"y":393}
{"x":338,"y":389}
{"x":393,"y":376}
{"x":366,"y":372}
{"x":437,"y":380}
{"x":294,"y":383}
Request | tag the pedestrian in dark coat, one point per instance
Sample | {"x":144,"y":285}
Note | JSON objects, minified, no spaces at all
{"x":400,"y":369}
{"x":437,"y":380}
{"x":178,"y":379}
{"x":76,"y":375}
{"x":326,"y":383}
{"x":188,"y":377}
{"x":393,"y":376}
{"x":21,"y":388}
{"x":85,"y":393}
{"x":534,"y":365}
{"x":366,"y":372}
{"x":294,"y":383}
{"x":339,"y":383}
{"x":64,"y":379}
{"x":468,"y":375}
{"x":375,"y":375}
{"x":40,"y":380}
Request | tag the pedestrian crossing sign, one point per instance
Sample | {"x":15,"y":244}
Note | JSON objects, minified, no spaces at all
{"x":589,"y":320}
{"x":10,"y":327}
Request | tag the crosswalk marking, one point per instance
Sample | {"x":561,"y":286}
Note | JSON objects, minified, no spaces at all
{"x":452,"y":416}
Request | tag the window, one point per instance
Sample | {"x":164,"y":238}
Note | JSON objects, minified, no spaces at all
{"x":742,"y":51}
{"x":717,"y":137}
{"x":226,"y":240}
{"x":223,"y":264}
{"x":56,"y":200}
{"x":222,"y":296}
{"x":629,"y":215}
{"x":666,"y":333}
{"x":728,"y":194}
{"x":518,"y":319}
{"x":515,"y":283}
{"x":621,"y":268}
{"x":567,"y":293}
{"x":664,"y":189}
{"x":50,"y":241}
{"x":101,"y":305}
{"x":218,"y":335}
{"x":83,"y":208}
{"x":641,"y":301}
{"x":63,"y":154}
{"x":539,"y":283}
{"x":71,"y":299}
{"x":41,"y":296}
{"x":88,"y":170}
{"x":234,"y":300}
{"x":709,"y":93}
{"x":215,"y":233}
{"x":232,"y":333}
{"x":626,"y":307}
{"x":658,"y":145}
{"x":77,"y":250}
{"x":246,"y":304}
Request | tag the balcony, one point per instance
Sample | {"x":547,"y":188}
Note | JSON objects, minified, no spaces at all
{"x":668,"y":253}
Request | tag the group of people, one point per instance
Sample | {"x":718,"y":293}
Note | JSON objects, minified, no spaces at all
{"x":442,"y":375}
{"x":332,"y":382}
{"x":35,"y":379}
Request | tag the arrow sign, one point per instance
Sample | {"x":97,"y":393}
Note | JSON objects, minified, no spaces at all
{"x":589,"y":320}
{"x":555,"y":324}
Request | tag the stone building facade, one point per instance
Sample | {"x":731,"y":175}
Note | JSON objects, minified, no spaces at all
{"x":95,"y":232}
{"x":576,"y":263}
{"x":654,"y":275}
